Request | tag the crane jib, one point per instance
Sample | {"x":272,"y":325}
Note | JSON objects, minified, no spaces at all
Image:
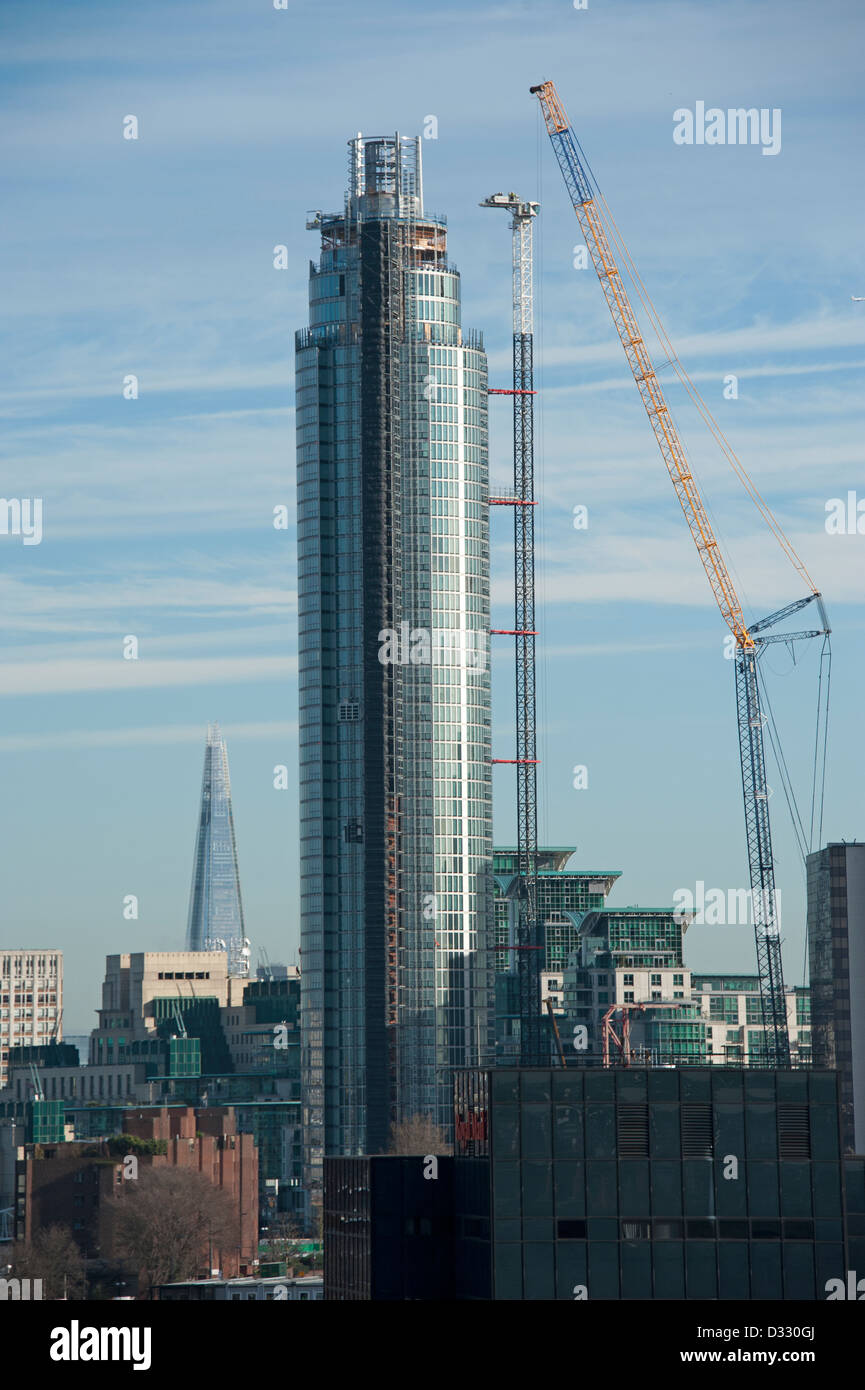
{"x":750,"y":718}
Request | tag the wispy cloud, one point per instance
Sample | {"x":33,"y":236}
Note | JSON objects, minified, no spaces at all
{"x":152,"y":736}
{"x":63,"y":677}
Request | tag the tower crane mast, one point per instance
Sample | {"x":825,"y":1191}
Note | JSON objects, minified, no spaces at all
{"x":747,"y":646}
{"x":529,"y":950}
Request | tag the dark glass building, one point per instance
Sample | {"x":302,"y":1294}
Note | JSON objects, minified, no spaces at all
{"x":388,"y":1228}
{"x":836,"y":954}
{"x":699,"y":1183}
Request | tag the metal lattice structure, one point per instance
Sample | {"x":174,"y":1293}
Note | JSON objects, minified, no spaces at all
{"x":760,"y":861}
{"x":750,"y":718}
{"x":529,"y":946}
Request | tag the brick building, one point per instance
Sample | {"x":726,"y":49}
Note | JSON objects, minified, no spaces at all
{"x":74,"y":1184}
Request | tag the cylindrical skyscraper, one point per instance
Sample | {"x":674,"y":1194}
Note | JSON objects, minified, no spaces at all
{"x":393,"y":601}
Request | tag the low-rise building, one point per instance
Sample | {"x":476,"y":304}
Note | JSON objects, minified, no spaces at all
{"x":74,"y":1184}
{"x":276,"y":1289}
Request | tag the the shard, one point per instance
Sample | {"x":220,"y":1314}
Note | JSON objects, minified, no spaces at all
{"x":215,"y":906}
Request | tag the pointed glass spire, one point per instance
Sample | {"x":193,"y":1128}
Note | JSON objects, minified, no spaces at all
{"x":215,"y":907}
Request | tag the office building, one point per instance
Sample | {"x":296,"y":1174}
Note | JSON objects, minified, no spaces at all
{"x":394,"y":703}
{"x":152,"y":997}
{"x":176,"y":1030}
{"x":836,"y":954}
{"x":388,"y":1225}
{"x":621,"y":1183}
{"x":627,"y":986}
{"x":730,"y":1005}
{"x":564,"y":895}
{"x":215,"y":906}
{"x":31,"y":1001}
{"x":76,"y":1185}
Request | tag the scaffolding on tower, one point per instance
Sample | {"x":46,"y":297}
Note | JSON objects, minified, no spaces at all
{"x":528,"y":947}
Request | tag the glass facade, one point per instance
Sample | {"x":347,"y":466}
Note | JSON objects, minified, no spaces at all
{"x":393,"y":620}
{"x":836,"y":954}
{"x":620,"y":1183}
{"x":215,"y":908}
{"x":563,"y":896}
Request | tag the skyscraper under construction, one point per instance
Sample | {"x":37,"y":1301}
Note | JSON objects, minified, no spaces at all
{"x":393,"y":600}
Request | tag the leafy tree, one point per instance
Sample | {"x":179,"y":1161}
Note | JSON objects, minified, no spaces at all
{"x":123,"y":1144}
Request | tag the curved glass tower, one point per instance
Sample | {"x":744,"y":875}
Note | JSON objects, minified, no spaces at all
{"x":393,"y":600}
{"x":215,"y":908}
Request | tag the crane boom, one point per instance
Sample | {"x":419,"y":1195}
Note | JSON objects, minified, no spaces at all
{"x":750,"y":717}
{"x":640,"y":362}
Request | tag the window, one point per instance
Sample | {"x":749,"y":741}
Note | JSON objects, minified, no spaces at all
{"x":656,"y":979}
{"x":667,"y":1230}
{"x":627,"y":980}
{"x":571,"y":1230}
{"x":636,"y":1230}
{"x":629,"y":996}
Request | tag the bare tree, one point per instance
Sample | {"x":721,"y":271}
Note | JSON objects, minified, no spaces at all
{"x":169,"y":1221}
{"x":419,"y":1134}
{"x":52,"y":1256}
{"x":285,"y":1231}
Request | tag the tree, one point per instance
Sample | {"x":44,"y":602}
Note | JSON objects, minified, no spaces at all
{"x":170,"y":1221}
{"x":419,"y":1134}
{"x":52,"y":1256}
{"x":284,"y":1233}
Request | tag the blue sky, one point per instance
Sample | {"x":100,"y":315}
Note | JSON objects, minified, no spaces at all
{"x":154,"y":257}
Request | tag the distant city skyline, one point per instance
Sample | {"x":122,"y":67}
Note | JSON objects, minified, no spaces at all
{"x":158,"y":510}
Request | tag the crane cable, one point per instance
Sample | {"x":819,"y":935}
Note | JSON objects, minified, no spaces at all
{"x":673,"y":359}
{"x":819,"y":763}
{"x":825,"y":654}
{"x":786,"y":780}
